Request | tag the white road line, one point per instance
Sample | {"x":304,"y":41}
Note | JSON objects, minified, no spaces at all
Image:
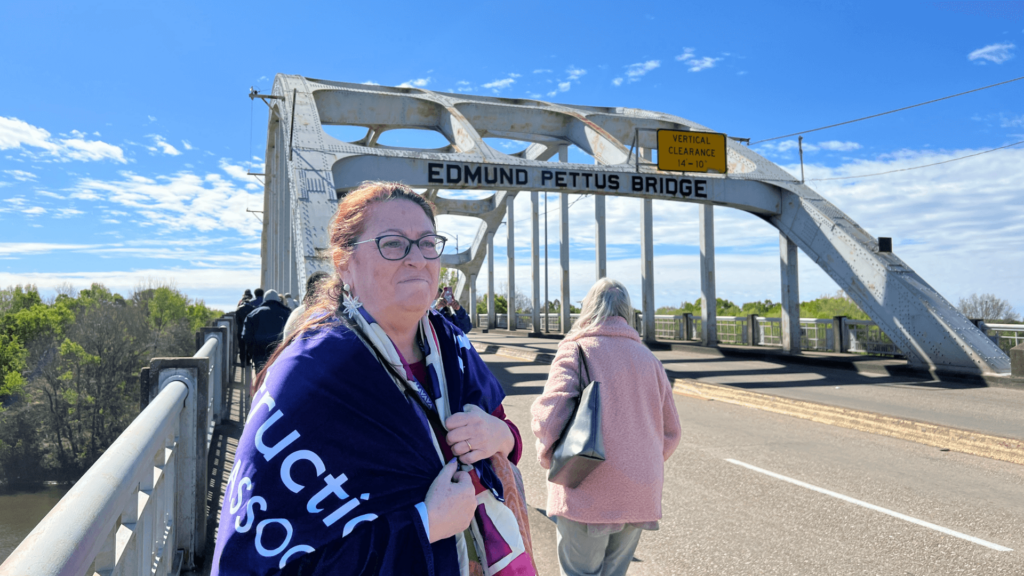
{"x":873,"y":507}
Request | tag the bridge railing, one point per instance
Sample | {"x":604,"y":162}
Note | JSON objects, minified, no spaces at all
{"x":839,"y":334}
{"x":1007,"y":336}
{"x":141,"y":508}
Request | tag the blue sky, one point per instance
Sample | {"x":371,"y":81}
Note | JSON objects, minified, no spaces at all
{"x":126,"y":133}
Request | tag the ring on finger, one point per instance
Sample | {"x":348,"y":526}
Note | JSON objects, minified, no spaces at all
{"x":470,"y":446}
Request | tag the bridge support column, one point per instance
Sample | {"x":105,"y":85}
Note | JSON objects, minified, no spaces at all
{"x":709,"y":300}
{"x":535,"y":258}
{"x":565,"y":320}
{"x":790,"y":296}
{"x":474,"y":316}
{"x":492,"y":314}
{"x":647,"y":270}
{"x":513,"y":318}
{"x":600,"y":235}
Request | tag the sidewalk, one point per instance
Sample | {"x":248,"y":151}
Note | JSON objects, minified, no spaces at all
{"x":857,"y":392}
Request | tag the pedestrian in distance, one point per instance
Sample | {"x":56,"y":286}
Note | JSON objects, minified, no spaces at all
{"x":452,"y":311}
{"x":245,"y":307}
{"x":246,"y":296}
{"x":312,"y":285}
{"x":600,"y":521}
{"x":377,"y":442}
{"x":263,"y":328}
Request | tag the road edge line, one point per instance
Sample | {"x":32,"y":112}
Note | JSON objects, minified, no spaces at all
{"x":965,"y":441}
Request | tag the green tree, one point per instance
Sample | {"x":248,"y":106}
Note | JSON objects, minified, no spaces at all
{"x":500,"y":304}
{"x":69,"y":371}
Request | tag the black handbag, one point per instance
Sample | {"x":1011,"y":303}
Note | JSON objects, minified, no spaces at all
{"x":580,"y":448}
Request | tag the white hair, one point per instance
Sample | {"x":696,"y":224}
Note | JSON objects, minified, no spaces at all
{"x":605,"y":299}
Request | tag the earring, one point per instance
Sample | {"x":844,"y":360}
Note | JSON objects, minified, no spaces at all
{"x":349,"y":302}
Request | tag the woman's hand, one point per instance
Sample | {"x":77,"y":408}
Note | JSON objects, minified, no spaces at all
{"x":451,"y":502}
{"x":475,"y":435}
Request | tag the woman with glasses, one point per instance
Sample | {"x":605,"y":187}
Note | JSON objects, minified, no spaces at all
{"x":377,"y":442}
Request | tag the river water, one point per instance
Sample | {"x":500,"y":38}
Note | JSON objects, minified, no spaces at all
{"x":21,"y":511}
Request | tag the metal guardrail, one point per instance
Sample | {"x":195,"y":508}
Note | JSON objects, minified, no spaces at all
{"x":524,"y":321}
{"x":141,"y":508}
{"x":816,"y":334}
{"x":1007,"y":336}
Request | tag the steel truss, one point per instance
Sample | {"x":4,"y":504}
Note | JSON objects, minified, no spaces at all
{"x":307,"y":171}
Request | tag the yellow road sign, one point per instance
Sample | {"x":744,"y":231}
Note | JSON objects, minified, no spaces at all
{"x":683,"y":151}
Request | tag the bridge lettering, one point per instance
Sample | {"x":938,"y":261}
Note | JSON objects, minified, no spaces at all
{"x":475,"y":175}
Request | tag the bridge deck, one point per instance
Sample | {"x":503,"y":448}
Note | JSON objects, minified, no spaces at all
{"x":521,"y":364}
{"x":220,"y":461}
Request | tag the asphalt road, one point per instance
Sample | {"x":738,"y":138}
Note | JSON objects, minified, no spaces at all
{"x":734,"y":503}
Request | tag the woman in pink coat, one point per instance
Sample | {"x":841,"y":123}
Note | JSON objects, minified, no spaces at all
{"x":600,"y":521}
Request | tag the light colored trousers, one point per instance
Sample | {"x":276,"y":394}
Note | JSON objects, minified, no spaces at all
{"x":580,"y":554}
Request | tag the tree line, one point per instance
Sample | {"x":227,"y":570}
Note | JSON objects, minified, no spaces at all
{"x":69,"y":371}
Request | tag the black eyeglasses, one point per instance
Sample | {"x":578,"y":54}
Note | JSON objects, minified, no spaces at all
{"x":396,"y":246}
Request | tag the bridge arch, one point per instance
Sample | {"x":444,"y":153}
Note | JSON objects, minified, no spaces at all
{"x":307,"y":170}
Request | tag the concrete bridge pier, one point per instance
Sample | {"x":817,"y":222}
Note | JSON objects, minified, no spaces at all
{"x":600,"y":235}
{"x":563,"y":204}
{"x":647,"y":263}
{"x":709,"y":300}
{"x":511,"y":227}
{"x":790,"y":295}
{"x":474,"y":316}
{"x":492,"y":314}
{"x":535,"y":258}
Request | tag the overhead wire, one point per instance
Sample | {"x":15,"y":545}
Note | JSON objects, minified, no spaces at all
{"x":916,"y":167}
{"x":889,"y":112}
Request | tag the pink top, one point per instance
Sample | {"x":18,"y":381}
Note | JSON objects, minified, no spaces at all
{"x":639,"y":422}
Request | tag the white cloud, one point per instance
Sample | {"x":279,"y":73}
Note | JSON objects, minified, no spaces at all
{"x":837,"y":146}
{"x":164,"y":146}
{"x":50,"y":194}
{"x":542,"y":71}
{"x":997,"y":53}
{"x":562,"y":87}
{"x":499,"y":85}
{"x":186,"y":144}
{"x":14,"y":133}
{"x":21,"y":175}
{"x":617,"y":81}
{"x":68,"y":213}
{"x":417,"y":83}
{"x":514,"y":75}
{"x":1012,"y":121}
{"x":698,"y":64}
{"x":694,"y":63}
{"x":371,"y":83}
{"x":151,"y":118}
{"x":182,"y":201}
{"x":686,"y":55}
{"x":636,"y":71}
{"x":575,"y":73}
{"x":34,"y":211}
{"x":236,"y":172}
